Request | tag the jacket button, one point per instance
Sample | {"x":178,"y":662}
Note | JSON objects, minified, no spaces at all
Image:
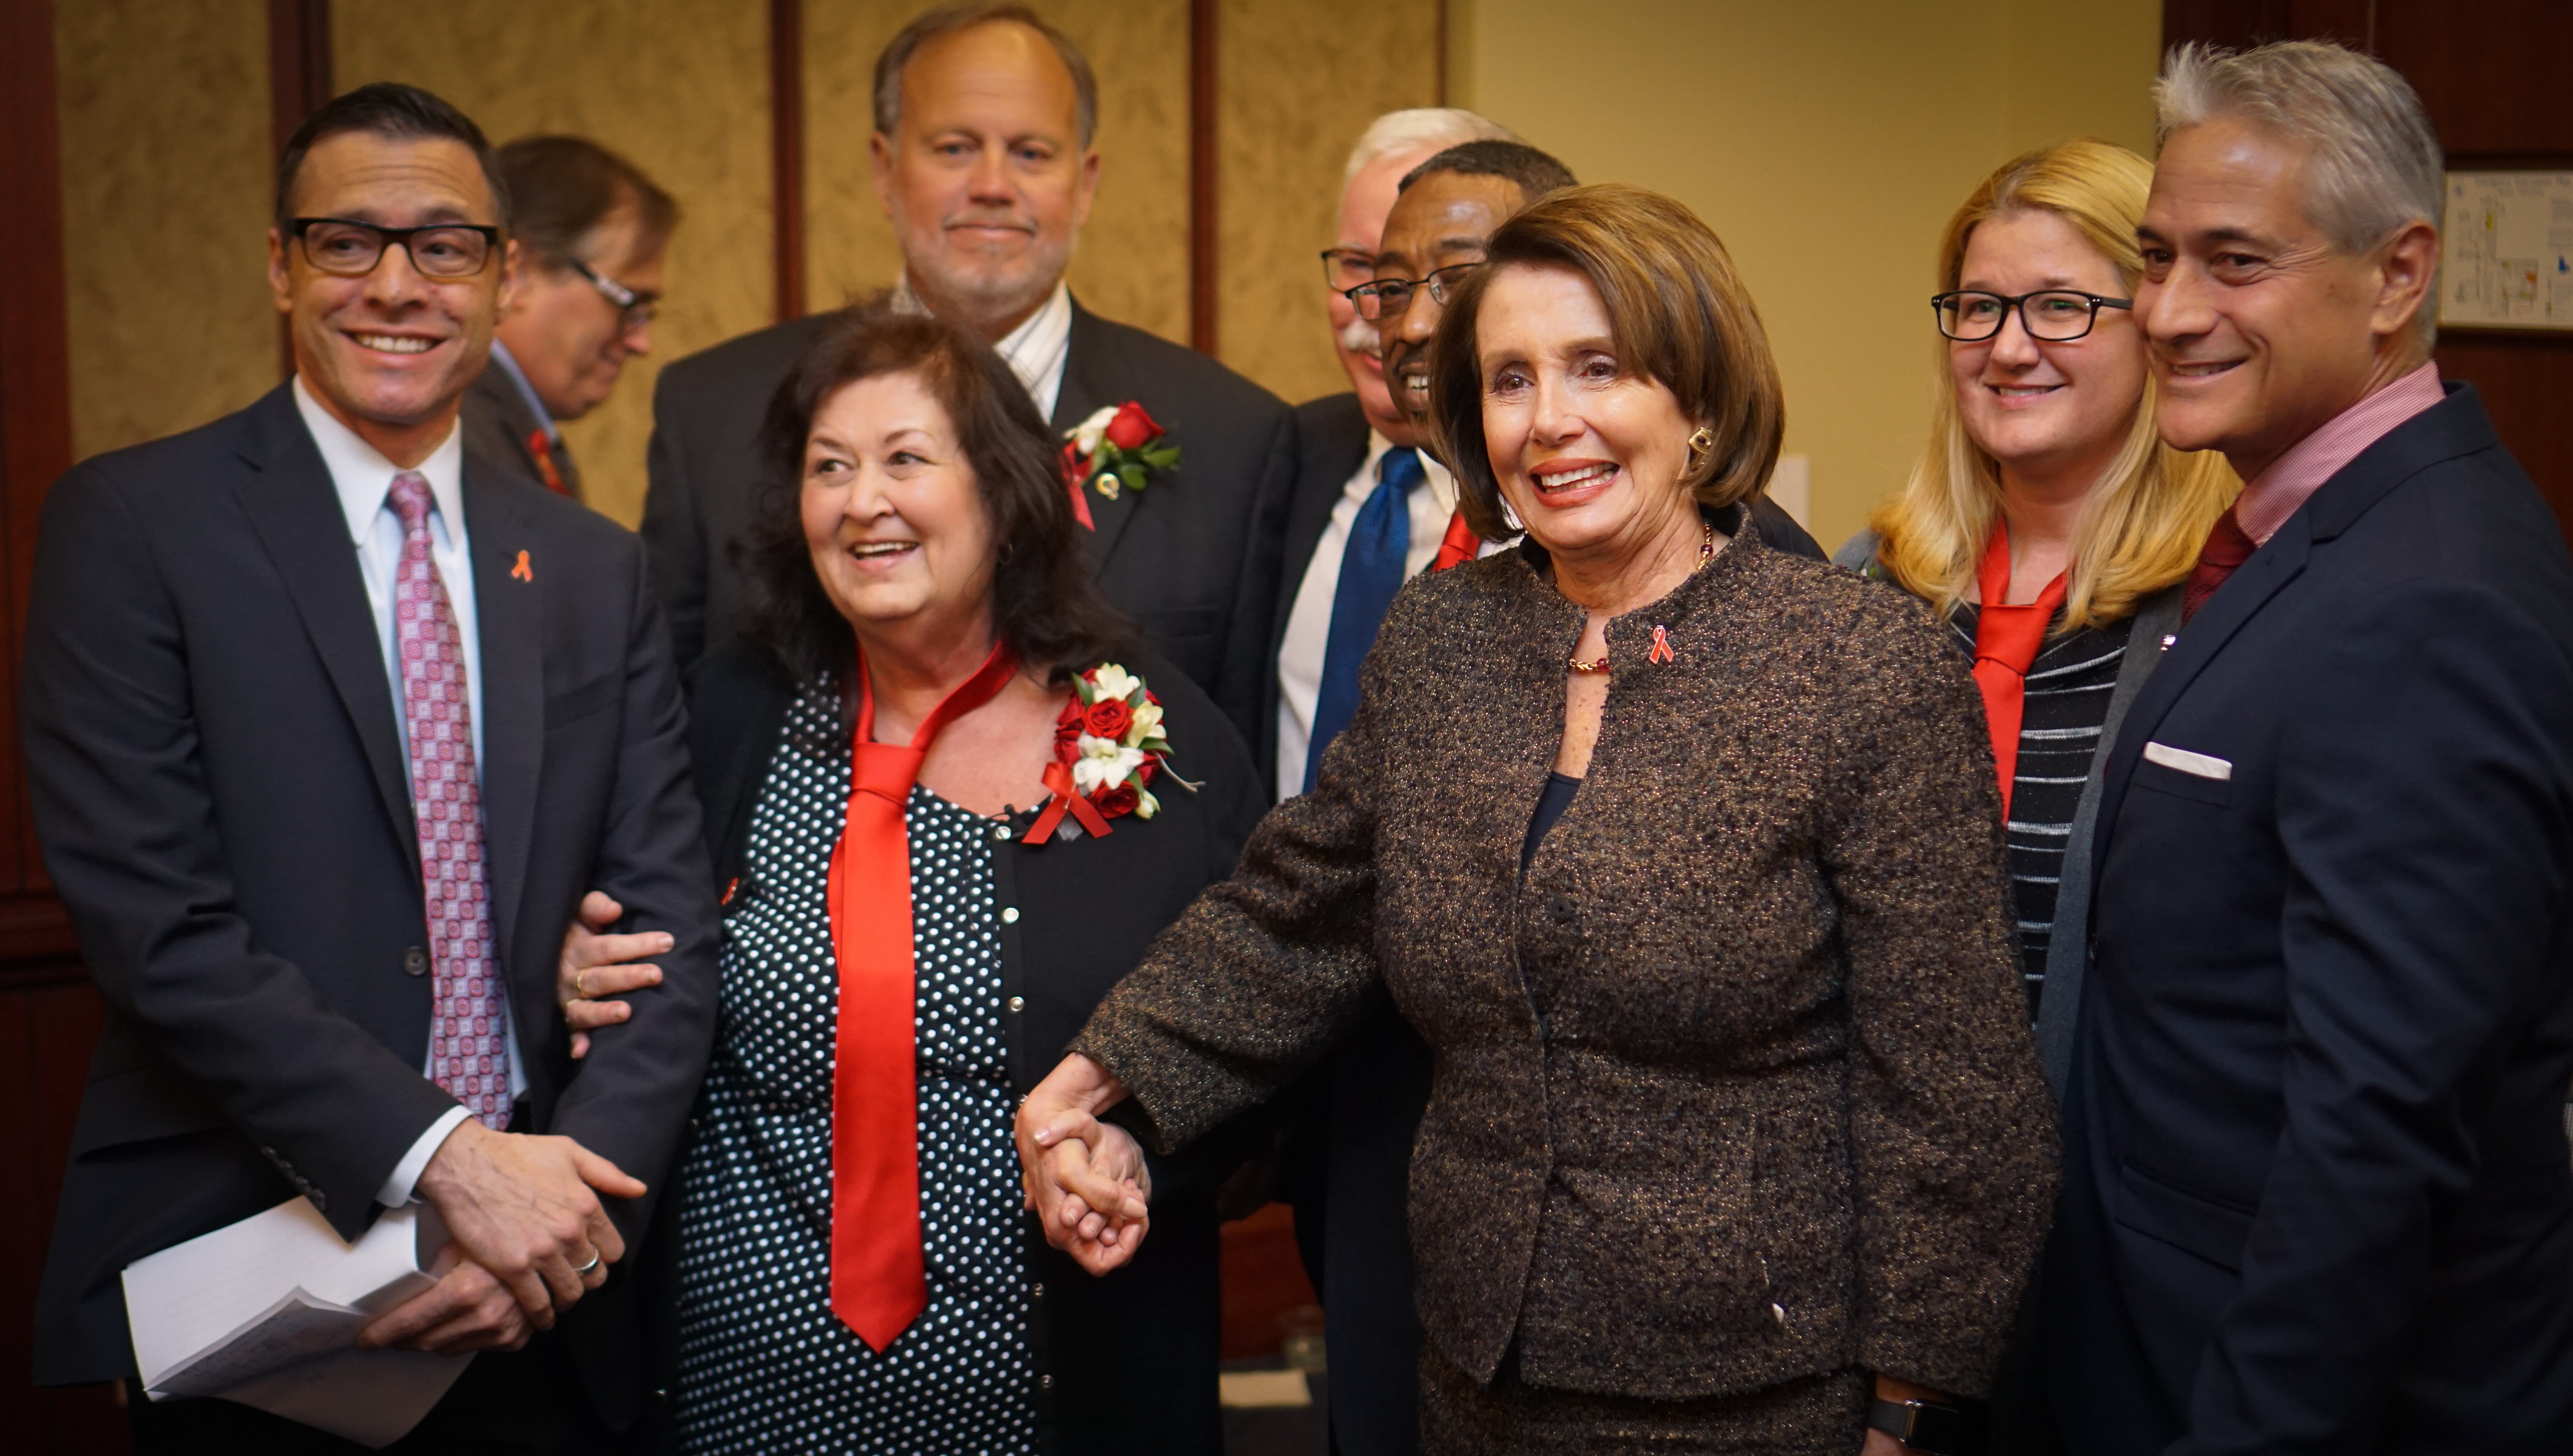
{"x":1018,"y":1003}
{"x":1010,"y":916}
{"x":1039,"y":1291}
{"x":415,"y":962}
{"x":1000,"y":831}
{"x":1046,"y":1380}
{"x":1561,"y":909}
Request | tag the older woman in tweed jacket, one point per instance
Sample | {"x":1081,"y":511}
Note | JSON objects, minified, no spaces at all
{"x":1736,"y":1120}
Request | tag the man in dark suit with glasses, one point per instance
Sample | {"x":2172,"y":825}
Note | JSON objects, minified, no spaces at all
{"x":330,"y":722}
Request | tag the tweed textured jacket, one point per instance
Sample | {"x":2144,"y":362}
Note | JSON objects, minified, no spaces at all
{"x":1736,"y":1085}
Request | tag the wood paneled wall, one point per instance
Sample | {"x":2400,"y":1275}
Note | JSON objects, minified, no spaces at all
{"x":680,"y":87}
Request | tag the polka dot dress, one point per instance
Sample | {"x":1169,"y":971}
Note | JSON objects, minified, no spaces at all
{"x":765,"y":1366}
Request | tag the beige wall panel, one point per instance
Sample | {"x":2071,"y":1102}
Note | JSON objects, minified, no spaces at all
{"x":1132,"y":262}
{"x":680,"y":87}
{"x":2091,"y":77}
{"x":1827,"y":144}
{"x":1296,"y":84}
{"x":163,"y":107}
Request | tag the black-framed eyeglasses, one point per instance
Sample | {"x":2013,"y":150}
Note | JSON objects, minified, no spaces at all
{"x":2056,"y":316}
{"x":1390,"y":298}
{"x":347,"y":247}
{"x":635,"y":308}
{"x":1346,"y":268}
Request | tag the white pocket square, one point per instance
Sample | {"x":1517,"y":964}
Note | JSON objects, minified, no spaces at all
{"x":2200,"y":765}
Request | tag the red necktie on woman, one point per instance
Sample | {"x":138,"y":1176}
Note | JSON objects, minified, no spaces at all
{"x":2007,"y":640}
{"x":879,"y":1280}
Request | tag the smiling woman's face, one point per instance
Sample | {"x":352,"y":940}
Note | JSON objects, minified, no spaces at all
{"x":2035,"y":406}
{"x":1587,"y":448}
{"x":891,"y":511}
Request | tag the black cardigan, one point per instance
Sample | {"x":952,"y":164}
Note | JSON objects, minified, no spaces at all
{"x":1127,"y":1362}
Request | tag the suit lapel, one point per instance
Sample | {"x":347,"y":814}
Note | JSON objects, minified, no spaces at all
{"x":296,"y":510}
{"x":2244,"y":594}
{"x":1095,"y":375}
{"x":510,"y":607}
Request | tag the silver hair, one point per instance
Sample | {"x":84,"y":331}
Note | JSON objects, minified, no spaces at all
{"x":2373,"y":162}
{"x":1423,"y":128}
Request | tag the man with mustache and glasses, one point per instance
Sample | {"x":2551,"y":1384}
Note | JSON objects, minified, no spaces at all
{"x":1360,"y":459}
{"x":984,"y":115}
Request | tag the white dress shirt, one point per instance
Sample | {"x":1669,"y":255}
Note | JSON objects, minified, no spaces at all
{"x":1035,"y":351}
{"x":1309,"y":625}
{"x":365,"y":480}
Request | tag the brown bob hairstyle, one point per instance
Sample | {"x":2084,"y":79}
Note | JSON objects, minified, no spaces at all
{"x":1677,"y":313}
{"x":1043,"y":602}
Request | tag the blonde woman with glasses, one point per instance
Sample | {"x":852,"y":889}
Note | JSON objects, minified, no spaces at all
{"x":2047,"y":523}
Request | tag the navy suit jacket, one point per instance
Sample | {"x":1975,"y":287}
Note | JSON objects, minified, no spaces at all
{"x":216,"y":770}
{"x":2318,"y":1196}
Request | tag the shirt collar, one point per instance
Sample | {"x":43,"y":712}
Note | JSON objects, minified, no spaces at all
{"x":507,"y":364}
{"x":364,"y":478}
{"x":1033,"y":350}
{"x":2294,"y":476}
{"x":1442,"y":486}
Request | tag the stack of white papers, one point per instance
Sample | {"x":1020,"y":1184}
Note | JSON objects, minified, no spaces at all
{"x":266,"y":1312}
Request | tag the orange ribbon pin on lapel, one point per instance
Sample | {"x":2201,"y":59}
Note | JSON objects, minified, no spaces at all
{"x":1661,"y":641}
{"x":522,"y":571}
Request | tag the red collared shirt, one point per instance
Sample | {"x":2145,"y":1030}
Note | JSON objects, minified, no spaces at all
{"x":2294,"y":477}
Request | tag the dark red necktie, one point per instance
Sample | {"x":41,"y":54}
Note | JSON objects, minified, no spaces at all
{"x":2228,"y":547}
{"x":879,"y":1277}
{"x":2007,"y":641}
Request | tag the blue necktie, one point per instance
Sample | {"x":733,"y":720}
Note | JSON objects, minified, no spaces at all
{"x":1371,"y":573}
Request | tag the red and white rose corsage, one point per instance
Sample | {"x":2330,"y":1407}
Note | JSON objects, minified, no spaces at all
{"x":1117,"y":449}
{"x":1108,"y":746}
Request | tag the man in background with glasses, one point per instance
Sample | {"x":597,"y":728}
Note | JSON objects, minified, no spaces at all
{"x":1346,"y":441}
{"x":591,"y":230}
{"x":330,"y":722}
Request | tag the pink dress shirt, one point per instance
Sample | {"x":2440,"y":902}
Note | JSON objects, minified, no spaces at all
{"x":2294,"y":477}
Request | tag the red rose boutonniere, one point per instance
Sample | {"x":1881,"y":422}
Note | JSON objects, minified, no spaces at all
{"x":1116,"y":450}
{"x":1108,"y":746}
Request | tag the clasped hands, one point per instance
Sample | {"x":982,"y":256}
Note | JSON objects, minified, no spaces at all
{"x":1084,"y":1178}
{"x":528,"y":1236}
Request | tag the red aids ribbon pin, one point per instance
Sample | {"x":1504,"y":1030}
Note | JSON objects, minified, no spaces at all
{"x":1661,"y":647}
{"x":521,"y":571}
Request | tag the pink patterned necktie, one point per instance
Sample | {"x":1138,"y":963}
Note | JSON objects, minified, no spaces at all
{"x":469,"y":1017}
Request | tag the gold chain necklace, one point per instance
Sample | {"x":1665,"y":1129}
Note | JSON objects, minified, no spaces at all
{"x":1705,"y":553}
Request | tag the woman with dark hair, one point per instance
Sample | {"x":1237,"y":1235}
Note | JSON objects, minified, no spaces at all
{"x":1683,"y":855}
{"x":946,"y":805}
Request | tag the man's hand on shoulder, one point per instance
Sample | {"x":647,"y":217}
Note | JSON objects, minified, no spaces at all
{"x":522,"y":1207}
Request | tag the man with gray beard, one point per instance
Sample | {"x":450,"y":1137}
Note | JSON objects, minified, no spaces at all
{"x":983,"y":122}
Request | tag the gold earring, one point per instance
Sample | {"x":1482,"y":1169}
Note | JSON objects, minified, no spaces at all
{"x":1702,"y":442}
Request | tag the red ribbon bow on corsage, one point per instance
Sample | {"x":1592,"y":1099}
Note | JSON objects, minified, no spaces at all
{"x":1108,"y":745}
{"x":1116,"y":450}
